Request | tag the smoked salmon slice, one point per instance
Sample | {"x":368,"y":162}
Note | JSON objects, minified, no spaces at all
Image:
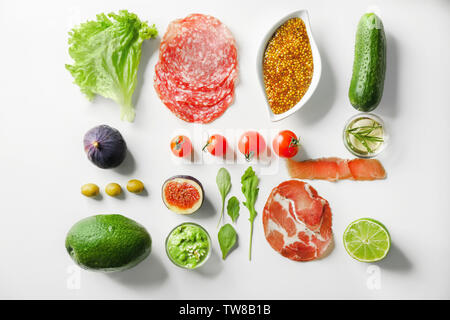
{"x":333,"y":169}
{"x":297,"y":221}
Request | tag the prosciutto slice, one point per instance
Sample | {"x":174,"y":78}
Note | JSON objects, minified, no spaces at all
{"x":333,"y":169}
{"x":297,"y":221}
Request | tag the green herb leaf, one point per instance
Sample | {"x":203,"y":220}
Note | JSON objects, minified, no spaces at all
{"x":249,"y":182}
{"x":223,"y":181}
{"x":106,"y":55}
{"x":227,"y":239}
{"x":233,"y":208}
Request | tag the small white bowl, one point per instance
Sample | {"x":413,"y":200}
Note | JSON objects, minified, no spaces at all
{"x":302,"y":14}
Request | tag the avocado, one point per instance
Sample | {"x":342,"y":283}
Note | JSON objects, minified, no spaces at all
{"x":109,"y":242}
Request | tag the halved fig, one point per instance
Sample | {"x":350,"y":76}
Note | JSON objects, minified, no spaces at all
{"x":182,"y":194}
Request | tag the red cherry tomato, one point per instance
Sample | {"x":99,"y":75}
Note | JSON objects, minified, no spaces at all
{"x":251,"y":144}
{"x":286,"y":144}
{"x":181,"y":146}
{"x":216,"y":145}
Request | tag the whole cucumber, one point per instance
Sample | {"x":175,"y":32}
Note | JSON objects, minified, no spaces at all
{"x":369,"y":66}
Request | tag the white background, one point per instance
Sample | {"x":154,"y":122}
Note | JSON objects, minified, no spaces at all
{"x":44,"y":117}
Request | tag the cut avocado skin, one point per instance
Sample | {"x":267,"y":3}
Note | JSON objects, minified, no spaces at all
{"x":108,"y":243}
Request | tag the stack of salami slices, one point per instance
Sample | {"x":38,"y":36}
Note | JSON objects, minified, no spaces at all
{"x":197,"y":68}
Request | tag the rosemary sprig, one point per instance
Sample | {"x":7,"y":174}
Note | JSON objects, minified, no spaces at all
{"x":363,"y":135}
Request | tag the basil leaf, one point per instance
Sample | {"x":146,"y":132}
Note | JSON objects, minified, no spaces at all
{"x":233,"y":208}
{"x":227,"y":239}
{"x":223,"y":181}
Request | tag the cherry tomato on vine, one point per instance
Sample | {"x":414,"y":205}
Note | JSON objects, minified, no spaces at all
{"x":216,"y":145}
{"x":286,"y":144}
{"x":181,"y":146}
{"x":251,"y":144}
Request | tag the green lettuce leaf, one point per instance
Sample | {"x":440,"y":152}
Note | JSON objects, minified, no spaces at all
{"x":106,"y":53}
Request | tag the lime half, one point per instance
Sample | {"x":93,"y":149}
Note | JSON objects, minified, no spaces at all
{"x":367,"y":240}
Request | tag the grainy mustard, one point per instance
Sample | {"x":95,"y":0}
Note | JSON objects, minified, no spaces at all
{"x":288,"y":66}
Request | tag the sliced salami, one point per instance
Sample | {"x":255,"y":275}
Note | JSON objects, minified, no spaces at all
{"x":200,"y":54}
{"x":189,"y":97}
{"x":199,"y":115}
{"x":197,"y":68}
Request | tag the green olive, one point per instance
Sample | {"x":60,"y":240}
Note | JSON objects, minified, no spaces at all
{"x":113,"y":189}
{"x":135,"y":186}
{"x":90,"y":190}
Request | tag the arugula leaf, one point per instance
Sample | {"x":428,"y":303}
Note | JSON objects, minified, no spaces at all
{"x":249,"y":182}
{"x":233,"y":208}
{"x":223,"y":181}
{"x":106,"y":55}
{"x":227,"y":239}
